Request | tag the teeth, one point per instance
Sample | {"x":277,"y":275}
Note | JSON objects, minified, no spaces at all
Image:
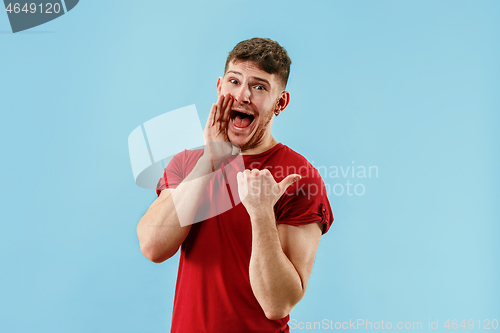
{"x":248,"y":114}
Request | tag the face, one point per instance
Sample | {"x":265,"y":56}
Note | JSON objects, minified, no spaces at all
{"x":257,"y":94}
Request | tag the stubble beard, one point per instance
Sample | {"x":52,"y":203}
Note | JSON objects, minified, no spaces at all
{"x":256,"y":138}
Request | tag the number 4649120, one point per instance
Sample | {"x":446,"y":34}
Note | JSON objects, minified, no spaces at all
{"x":34,"y":8}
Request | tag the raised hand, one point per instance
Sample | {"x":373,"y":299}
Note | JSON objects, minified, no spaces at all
{"x":259,"y":191}
{"x":217,"y":145}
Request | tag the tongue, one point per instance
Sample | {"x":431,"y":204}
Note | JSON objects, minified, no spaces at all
{"x":241,"y":122}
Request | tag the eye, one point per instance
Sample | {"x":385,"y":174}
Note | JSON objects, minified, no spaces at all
{"x":234,"y":81}
{"x":260,"y":87}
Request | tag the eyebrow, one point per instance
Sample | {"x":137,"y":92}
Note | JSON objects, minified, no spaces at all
{"x":254,"y":77}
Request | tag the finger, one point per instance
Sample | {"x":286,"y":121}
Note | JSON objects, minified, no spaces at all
{"x":289,"y":180}
{"x":211,"y":116}
{"x":225,"y":101}
{"x":213,"y":112}
{"x":266,"y":172}
{"x":218,"y":112}
{"x":227,"y":109}
{"x":242,"y":186}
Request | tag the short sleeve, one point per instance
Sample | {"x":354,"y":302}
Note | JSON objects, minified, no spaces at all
{"x":177,"y":169}
{"x":305,"y":201}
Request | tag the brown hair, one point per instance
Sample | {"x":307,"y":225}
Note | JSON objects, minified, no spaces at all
{"x":266,"y":53}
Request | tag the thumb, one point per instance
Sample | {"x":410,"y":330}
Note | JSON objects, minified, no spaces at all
{"x":289,"y":180}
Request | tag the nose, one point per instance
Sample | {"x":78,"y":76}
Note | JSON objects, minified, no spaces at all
{"x":242,"y":96}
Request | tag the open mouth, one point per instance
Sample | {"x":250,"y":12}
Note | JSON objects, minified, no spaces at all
{"x":241,"y":119}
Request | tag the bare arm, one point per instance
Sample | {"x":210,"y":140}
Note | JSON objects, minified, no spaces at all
{"x":280,"y":264}
{"x":282,"y":256}
{"x":167,"y":222}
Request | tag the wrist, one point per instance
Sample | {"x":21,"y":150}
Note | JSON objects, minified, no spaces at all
{"x":210,"y":161}
{"x":203,"y":165}
{"x":262,"y":214}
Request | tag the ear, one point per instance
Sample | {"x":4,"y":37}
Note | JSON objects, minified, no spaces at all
{"x":283,"y":101}
{"x":219,"y":86}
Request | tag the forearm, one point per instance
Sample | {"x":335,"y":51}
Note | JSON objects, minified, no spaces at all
{"x":168,"y":220}
{"x":159,"y":231}
{"x":274,"y":280}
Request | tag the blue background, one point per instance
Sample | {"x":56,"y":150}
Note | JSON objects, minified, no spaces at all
{"x":411,"y":87}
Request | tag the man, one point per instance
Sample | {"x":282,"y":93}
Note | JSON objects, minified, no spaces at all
{"x":241,"y":269}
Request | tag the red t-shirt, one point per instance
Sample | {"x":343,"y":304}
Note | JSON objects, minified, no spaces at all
{"x":213,"y":292}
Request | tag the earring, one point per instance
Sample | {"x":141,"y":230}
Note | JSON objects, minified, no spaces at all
{"x":277,"y":108}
